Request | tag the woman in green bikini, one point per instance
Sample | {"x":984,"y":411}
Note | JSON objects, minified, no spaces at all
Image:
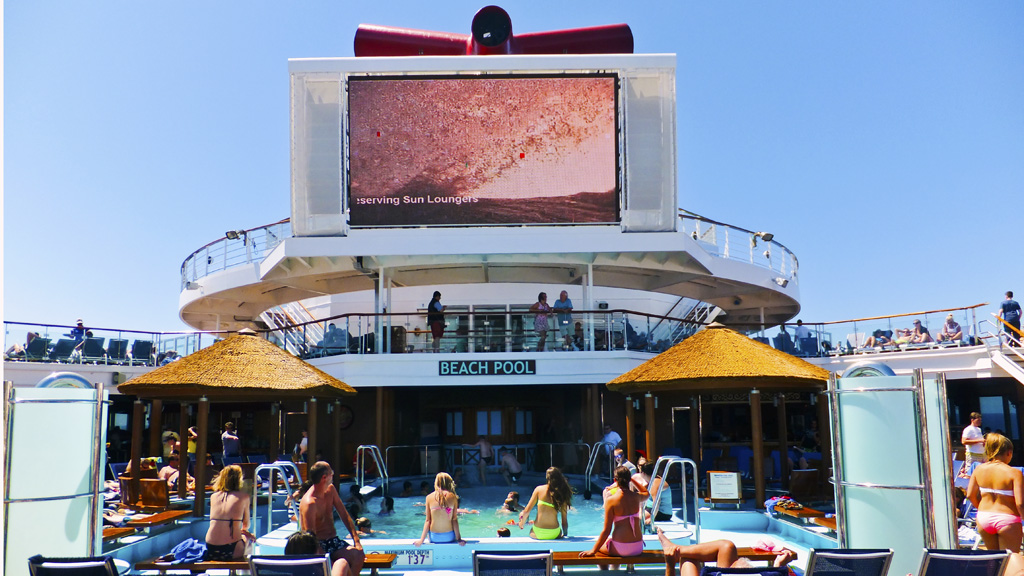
{"x":551,"y":499}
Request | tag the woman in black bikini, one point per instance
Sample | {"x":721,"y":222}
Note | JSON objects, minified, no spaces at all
{"x":229,"y":517}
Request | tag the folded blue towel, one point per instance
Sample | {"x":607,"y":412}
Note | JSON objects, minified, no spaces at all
{"x":189,"y":551}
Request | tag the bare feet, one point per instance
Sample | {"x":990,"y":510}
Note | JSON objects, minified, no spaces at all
{"x":784,"y":557}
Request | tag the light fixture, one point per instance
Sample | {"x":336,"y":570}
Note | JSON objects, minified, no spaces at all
{"x":191,"y":286}
{"x":766,"y":236}
{"x":234,"y":234}
{"x":767,"y":253}
{"x":782,"y":281}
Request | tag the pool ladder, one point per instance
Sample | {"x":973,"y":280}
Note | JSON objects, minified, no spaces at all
{"x":289,"y":472}
{"x":372,"y":452}
{"x":662,"y":468}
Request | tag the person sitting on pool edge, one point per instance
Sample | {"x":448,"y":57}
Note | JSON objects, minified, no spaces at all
{"x":442,"y":518}
{"x":551,"y":499}
{"x":721,"y":552}
{"x":623,"y":504}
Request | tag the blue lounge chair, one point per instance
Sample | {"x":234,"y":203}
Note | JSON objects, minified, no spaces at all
{"x":37,"y":349}
{"x":142,"y":352}
{"x":257,"y":458}
{"x":315,"y":565}
{"x":92,"y":350}
{"x":963,"y":562}
{"x":848,"y":562}
{"x":511,"y":562}
{"x":62,"y":350}
{"x":117,"y":350}
{"x":91,"y":566}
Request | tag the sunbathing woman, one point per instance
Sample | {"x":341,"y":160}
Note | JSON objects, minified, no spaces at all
{"x":997,"y":491}
{"x":229,"y":517}
{"x":551,"y":499}
{"x":621,"y":517}
{"x":721,"y":552}
{"x":442,"y":523}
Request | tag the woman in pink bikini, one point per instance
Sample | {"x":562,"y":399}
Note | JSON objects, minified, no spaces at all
{"x":623,"y":502}
{"x":997,"y":491}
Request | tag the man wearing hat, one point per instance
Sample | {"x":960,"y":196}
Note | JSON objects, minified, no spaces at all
{"x":951,"y":331}
{"x":78,"y":332}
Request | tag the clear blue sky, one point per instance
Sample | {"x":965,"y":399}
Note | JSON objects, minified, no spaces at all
{"x":882,"y":142}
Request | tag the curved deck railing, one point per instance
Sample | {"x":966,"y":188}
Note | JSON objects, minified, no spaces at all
{"x":240,"y":247}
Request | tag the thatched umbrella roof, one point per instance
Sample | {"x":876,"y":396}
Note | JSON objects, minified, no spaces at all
{"x":720,"y":359}
{"x":240,"y":367}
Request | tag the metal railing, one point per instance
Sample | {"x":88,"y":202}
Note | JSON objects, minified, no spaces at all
{"x":511,"y":330}
{"x":286,"y":471}
{"x":661,"y":469}
{"x":241,"y":247}
{"x":114,"y":346}
{"x":876,"y":334}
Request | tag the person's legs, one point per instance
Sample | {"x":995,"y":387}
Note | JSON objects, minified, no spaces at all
{"x":351,"y":557}
{"x":721,"y":552}
{"x":482,"y":468}
{"x":1009,"y":538}
{"x":991,"y":540}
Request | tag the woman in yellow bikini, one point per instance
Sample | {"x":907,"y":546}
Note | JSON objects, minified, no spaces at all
{"x":551,"y":499}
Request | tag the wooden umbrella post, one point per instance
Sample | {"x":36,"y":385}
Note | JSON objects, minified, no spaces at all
{"x":311,"y":429}
{"x":758,"y":441}
{"x":183,"y":452}
{"x":202,"y":425}
{"x":336,"y":449}
{"x":783,"y":444}
{"x":138,"y":415}
{"x":652,"y":451}
{"x":630,"y":420}
{"x":156,"y":408}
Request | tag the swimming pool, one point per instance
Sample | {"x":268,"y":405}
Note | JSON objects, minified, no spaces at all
{"x":585,"y":517}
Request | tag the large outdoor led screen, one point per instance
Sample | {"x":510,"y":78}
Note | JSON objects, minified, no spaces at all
{"x":470,"y":151}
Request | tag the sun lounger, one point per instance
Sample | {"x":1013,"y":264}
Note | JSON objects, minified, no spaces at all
{"x":520,"y":563}
{"x":974,"y":562}
{"x":847,"y":561}
{"x":92,"y":350}
{"x":117,"y":350}
{"x":142,"y":352}
{"x":114,"y":532}
{"x":62,"y":350}
{"x":93,"y":566}
{"x":37,"y":349}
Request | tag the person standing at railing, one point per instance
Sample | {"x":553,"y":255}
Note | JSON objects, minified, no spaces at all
{"x":435,"y":319}
{"x":800,"y":333}
{"x":1009,"y":311}
{"x":974,"y":442}
{"x":540,"y":321}
{"x":563,"y":310}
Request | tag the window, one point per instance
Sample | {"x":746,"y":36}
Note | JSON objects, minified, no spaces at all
{"x":453,"y":424}
{"x":524,"y":422}
{"x":488,"y":423}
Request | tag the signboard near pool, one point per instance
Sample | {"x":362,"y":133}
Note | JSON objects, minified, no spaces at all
{"x":725,"y":486}
{"x":413,"y":557}
{"x":486,"y":367}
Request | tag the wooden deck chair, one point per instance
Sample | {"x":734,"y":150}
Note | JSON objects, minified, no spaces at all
{"x":848,"y":562}
{"x":515,"y":562}
{"x":88,"y":566}
{"x":763,"y":571}
{"x":293,"y":565}
{"x":963,"y":562}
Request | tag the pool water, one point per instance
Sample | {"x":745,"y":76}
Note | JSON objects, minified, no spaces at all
{"x":586,"y":517}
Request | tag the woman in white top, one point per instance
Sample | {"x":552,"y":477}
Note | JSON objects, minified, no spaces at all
{"x":997,"y":491}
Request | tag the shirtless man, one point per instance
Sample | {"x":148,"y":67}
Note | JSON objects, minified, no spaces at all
{"x":511,"y":469}
{"x":721,"y":552}
{"x":486,"y":458}
{"x":317,"y":512}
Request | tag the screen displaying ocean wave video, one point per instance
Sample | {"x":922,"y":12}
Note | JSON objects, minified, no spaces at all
{"x":477,"y":151}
